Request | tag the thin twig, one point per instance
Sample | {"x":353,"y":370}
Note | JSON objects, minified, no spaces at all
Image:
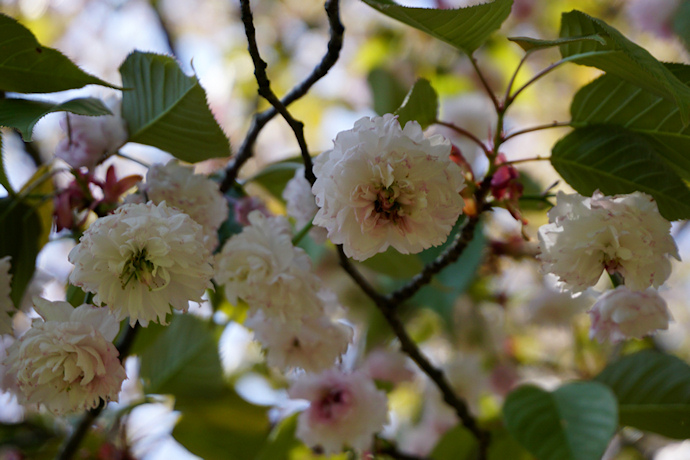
{"x":335,"y":44}
{"x":526,"y":160}
{"x":553,"y":124}
{"x":535,"y":78}
{"x":509,"y":88}
{"x":464,"y":132}
{"x":485,"y":83}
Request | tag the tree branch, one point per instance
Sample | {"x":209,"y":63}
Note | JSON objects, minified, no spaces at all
{"x":260,"y":120}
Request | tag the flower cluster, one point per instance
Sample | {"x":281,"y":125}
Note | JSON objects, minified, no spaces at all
{"x":66,"y":361}
{"x":383,"y":185}
{"x":623,"y":235}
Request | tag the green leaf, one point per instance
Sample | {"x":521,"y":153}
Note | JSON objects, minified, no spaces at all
{"x":281,"y":441}
{"x":464,"y":28}
{"x":386,"y":89}
{"x":167,"y":109}
{"x":575,"y":422}
{"x":681,"y":22}
{"x":653,"y":391}
{"x":183,"y":360}
{"x":533,"y":44}
{"x":28,"y":67}
{"x":225,"y":427}
{"x":456,"y":444}
{"x":420,"y":105}
{"x":21,"y":233}
{"x":275,"y":177}
{"x":610,"y":100}
{"x":617,"y":161}
{"x":23,"y":114}
{"x":622,"y":58}
{"x":394,"y":264}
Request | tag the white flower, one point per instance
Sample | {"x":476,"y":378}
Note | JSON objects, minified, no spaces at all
{"x":263,"y":268}
{"x":90,"y":140}
{"x":66,"y":361}
{"x":141,"y":260}
{"x":621,"y":313}
{"x":301,"y":205}
{"x":6,"y":304}
{"x":385,"y":186}
{"x":622,"y":233}
{"x":313,"y":344}
{"x":346,"y":410}
{"x":193,"y":194}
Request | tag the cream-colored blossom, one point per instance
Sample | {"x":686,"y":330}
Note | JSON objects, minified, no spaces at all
{"x":621,"y":233}
{"x":263,"y":268}
{"x":194,"y":194}
{"x":66,"y":361}
{"x":346,"y":410}
{"x":383,"y":186}
{"x":301,"y":206}
{"x":6,"y":305}
{"x":142,"y":260}
{"x":621,"y":313}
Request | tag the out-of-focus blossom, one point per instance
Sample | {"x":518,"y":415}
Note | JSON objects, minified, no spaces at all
{"x":621,"y":313}
{"x":345,"y":410}
{"x":66,"y":361}
{"x":654,"y":17}
{"x":301,"y":205}
{"x":141,"y":260}
{"x":383,"y":186}
{"x":387,"y":365}
{"x":6,"y":304}
{"x":193,"y":194}
{"x":621,"y":234}
{"x":244,"y":206}
{"x":90,"y":140}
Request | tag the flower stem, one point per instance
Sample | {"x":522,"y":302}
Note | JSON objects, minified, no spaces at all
{"x":554,"y":124}
{"x":302,"y":233}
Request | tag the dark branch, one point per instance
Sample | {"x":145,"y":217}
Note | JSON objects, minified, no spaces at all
{"x":335,"y":44}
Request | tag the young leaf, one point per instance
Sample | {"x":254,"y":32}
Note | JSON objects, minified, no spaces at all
{"x":681,"y":23}
{"x":653,"y":391}
{"x":23,"y":114}
{"x":611,"y":100}
{"x":575,"y":422}
{"x":622,"y":58}
{"x":615,"y":161}
{"x":167,"y":109}
{"x":28,"y":67}
{"x":456,"y":444}
{"x":387,"y":91}
{"x":464,"y":28}
{"x":420,"y":105}
{"x":533,"y":44}
{"x":275,"y":177}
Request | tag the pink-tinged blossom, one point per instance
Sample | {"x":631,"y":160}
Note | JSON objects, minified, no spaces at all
{"x":345,"y":410}
{"x":621,"y":234}
{"x":263,"y":268}
{"x":194,"y":194}
{"x":388,"y":366}
{"x":301,"y":205}
{"x":6,"y":304}
{"x":141,"y":260}
{"x":620,"y":314}
{"x":383,"y":186}
{"x":654,"y":17}
{"x":90,"y":140}
{"x":66,"y":361}
{"x":244,"y":206}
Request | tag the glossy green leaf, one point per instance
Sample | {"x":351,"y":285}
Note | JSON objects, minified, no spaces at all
{"x":23,"y":114}
{"x":420,"y":105}
{"x":464,"y":28}
{"x":183,"y":360}
{"x":653,"y":391}
{"x":225,"y":427}
{"x":21,"y":234}
{"x":28,"y":67}
{"x":394,"y":264}
{"x":275,"y":177}
{"x":281,"y":441}
{"x":622,"y":58}
{"x":610,"y":100}
{"x":533,"y":44}
{"x":575,"y":422}
{"x":167,"y":109}
{"x":616,"y":161}
{"x":456,"y":444}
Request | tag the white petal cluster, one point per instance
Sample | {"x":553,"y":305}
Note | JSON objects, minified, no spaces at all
{"x":6,"y":305}
{"x":621,"y":233}
{"x":289,"y":312}
{"x":301,"y":205}
{"x":142,"y":260}
{"x":621,"y":313}
{"x":90,"y":140}
{"x":385,"y":186}
{"x":193,"y":194}
{"x":66,"y":361}
{"x":345,"y":410}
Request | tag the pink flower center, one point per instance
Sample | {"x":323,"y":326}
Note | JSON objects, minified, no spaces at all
{"x":332,"y":405}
